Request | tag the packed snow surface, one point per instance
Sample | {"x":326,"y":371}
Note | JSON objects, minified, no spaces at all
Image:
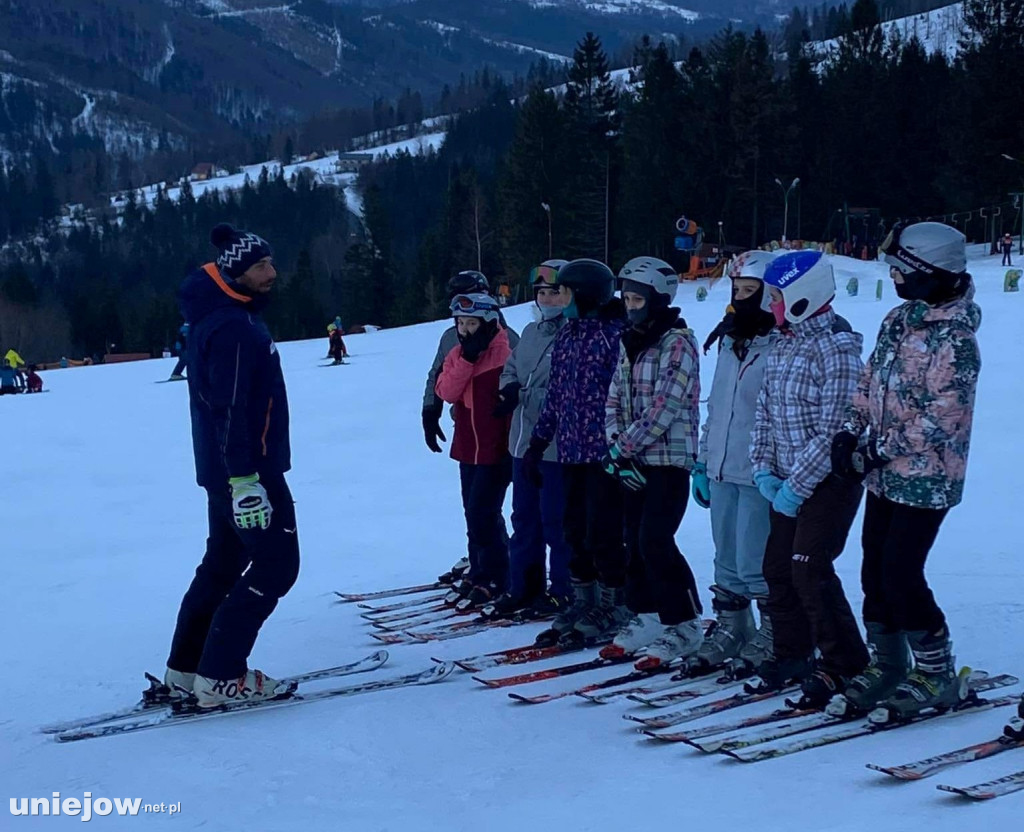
{"x":105,"y":526}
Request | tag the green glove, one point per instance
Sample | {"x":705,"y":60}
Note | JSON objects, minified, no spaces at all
{"x":249,"y":502}
{"x":616,"y":465}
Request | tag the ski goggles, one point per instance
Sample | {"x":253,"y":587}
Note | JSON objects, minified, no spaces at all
{"x":906,"y":261}
{"x":543,"y":276}
{"x":467,"y":305}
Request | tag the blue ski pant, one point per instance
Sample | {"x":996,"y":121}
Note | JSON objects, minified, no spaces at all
{"x":536,"y":527}
{"x":739,"y":527}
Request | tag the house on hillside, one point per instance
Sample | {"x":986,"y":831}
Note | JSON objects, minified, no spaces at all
{"x":352,"y":162}
{"x":203,"y":171}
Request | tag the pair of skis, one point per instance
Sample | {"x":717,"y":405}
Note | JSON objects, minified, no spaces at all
{"x":930,"y":766}
{"x":142,"y":716}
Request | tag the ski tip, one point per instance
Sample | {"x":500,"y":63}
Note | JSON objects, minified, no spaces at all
{"x":380,"y":656}
{"x":440,"y":671}
{"x":488,"y":682}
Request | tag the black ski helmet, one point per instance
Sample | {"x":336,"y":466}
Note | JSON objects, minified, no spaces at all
{"x":591,"y":281}
{"x":468,"y":283}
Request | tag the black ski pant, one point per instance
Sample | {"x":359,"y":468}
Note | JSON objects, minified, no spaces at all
{"x":1006,"y":258}
{"x":236,"y":587}
{"x":483,"y":497}
{"x":897,"y":539}
{"x":806,"y":603}
{"x":179,"y":368}
{"x":592,"y":525}
{"x":658,"y":577}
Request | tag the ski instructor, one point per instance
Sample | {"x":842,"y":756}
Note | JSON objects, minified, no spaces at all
{"x":239,"y":415}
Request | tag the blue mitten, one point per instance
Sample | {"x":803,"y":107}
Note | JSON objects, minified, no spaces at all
{"x":768,"y":484}
{"x":787,"y":501}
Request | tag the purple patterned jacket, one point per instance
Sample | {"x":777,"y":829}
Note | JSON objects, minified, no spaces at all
{"x":583,"y":360}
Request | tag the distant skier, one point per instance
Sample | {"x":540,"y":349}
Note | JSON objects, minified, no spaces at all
{"x":583,"y":359}
{"x":652,"y":418}
{"x":808,"y":383}
{"x":332,"y":328}
{"x":723,"y":479}
{"x":240,"y":438}
{"x":181,"y":345}
{"x":1007,"y":247}
{"x":464,"y":283}
{"x":909,"y":431}
{"x":33,"y":381}
{"x":469,"y":381}
{"x":338,"y":350}
{"x":536,"y":512}
{"x":16,"y":361}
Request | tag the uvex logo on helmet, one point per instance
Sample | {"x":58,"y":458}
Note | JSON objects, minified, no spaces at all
{"x":784,"y":278}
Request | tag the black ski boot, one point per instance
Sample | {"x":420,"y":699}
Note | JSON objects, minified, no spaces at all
{"x":933,"y":684}
{"x":776,"y":674}
{"x":817,"y":690}
{"x":602,"y":621}
{"x":890,"y":664}
{"x":584,"y":598}
{"x":505,"y":605}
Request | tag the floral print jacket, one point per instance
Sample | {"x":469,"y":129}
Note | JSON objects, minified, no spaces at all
{"x":916,"y":399}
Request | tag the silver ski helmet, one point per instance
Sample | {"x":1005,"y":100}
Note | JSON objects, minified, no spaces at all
{"x":546,"y":274}
{"x":932,"y":259}
{"x":659,"y":276}
{"x":475,"y":305}
{"x":805,"y":280}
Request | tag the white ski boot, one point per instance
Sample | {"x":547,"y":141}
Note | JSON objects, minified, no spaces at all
{"x":255,"y":684}
{"x":678,"y":642}
{"x":178,"y":684}
{"x":641,"y":630}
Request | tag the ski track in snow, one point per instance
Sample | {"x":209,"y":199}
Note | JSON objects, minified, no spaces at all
{"x":107,"y":526}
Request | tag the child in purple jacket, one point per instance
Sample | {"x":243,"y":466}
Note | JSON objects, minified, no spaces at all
{"x":583,"y":361}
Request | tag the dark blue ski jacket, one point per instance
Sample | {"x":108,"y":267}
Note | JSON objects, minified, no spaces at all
{"x":236,"y":388}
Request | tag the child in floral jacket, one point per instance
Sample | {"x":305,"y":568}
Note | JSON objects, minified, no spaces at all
{"x":909,"y":430}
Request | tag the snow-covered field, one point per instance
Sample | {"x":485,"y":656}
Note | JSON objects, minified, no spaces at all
{"x":105,"y":525}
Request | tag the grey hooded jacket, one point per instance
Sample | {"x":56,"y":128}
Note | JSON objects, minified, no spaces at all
{"x":530,"y":367}
{"x":732,"y":405}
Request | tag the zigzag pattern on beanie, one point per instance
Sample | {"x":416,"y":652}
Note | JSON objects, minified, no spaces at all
{"x":234,"y":255}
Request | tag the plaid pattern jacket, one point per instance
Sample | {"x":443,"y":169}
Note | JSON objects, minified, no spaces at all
{"x":654,"y":404}
{"x":809,"y":382}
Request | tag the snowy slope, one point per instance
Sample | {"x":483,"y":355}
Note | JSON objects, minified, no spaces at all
{"x":938,"y":30}
{"x":105,"y":526}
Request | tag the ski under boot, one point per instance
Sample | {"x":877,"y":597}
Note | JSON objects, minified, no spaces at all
{"x":731,"y":630}
{"x":452,"y":576}
{"x":932,"y":684}
{"x":584,"y":598}
{"x":890,"y":664}
{"x":680,"y":641}
{"x":255,"y":684}
{"x":602,"y":621}
{"x":641,"y":630}
{"x":460,"y":590}
{"x":1015,"y":727}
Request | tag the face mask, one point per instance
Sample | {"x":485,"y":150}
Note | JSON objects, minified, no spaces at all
{"x":778,"y":308}
{"x":637,"y":316}
{"x":549,"y":313}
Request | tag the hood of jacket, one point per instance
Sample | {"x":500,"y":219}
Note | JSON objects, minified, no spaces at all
{"x":206,"y":291}
{"x":962,"y":312}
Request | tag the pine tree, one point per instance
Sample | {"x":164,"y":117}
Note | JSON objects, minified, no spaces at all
{"x":590,"y":109}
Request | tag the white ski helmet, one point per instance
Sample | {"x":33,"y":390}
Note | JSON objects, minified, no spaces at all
{"x":806,"y":281}
{"x":750,"y":265}
{"x":650,"y":271}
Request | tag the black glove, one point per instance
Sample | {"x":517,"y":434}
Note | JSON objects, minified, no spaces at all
{"x":508,"y":399}
{"x":867,"y":458}
{"x":532,"y":459}
{"x":843,"y":446}
{"x":625,"y":470}
{"x":432,"y":428}
{"x":473,"y":345}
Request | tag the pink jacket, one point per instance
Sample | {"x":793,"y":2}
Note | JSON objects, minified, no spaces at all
{"x":481,"y":438}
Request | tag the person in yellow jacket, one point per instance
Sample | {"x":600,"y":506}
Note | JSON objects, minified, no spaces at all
{"x":15,"y":360}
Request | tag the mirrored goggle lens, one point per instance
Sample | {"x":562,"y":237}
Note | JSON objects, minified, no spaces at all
{"x":543,"y":275}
